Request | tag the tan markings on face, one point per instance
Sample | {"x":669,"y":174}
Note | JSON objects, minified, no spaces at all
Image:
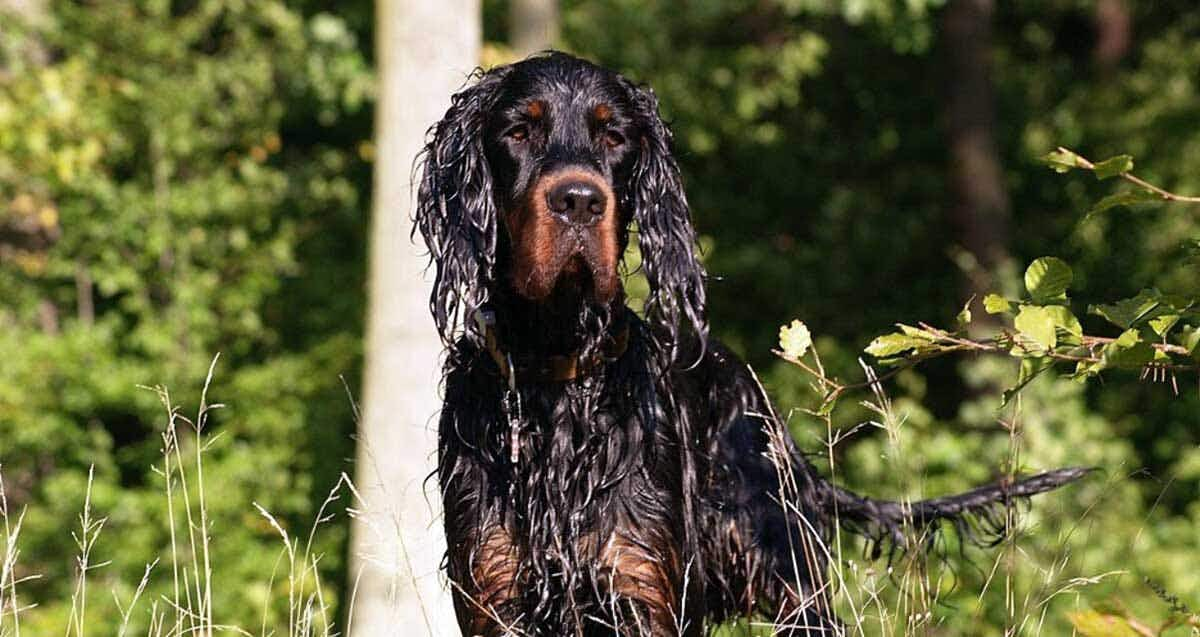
{"x":536,"y":109}
{"x":602,"y":112}
{"x":533,"y":234}
{"x":606,"y":277}
{"x":543,"y":245}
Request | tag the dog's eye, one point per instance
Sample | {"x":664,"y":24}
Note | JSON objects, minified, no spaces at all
{"x":613,"y":139}
{"x":518,"y":133}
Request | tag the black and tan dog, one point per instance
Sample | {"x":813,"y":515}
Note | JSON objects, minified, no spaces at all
{"x":604,"y":473}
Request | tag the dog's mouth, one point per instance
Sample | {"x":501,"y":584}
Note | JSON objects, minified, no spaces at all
{"x":576,"y":275}
{"x":564,"y":252}
{"x":577,"y":267}
{"x":585,"y":275}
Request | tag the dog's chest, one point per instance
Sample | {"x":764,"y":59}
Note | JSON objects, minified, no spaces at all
{"x":592,"y":477}
{"x":584,"y":456}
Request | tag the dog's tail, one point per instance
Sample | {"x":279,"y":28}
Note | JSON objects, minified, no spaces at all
{"x":980,"y":516}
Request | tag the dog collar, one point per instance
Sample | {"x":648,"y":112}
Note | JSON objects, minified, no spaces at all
{"x":555,"y":368}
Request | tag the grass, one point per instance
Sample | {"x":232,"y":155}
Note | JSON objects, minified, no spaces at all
{"x":889,"y":600}
{"x":188,"y":610}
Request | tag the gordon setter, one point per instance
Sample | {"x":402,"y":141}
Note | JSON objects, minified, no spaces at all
{"x":604,"y":472}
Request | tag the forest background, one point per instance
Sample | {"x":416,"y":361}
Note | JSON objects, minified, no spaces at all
{"x":179,"y":179}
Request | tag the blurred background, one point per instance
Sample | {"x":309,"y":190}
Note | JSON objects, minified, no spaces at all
{"x":185,"y":177}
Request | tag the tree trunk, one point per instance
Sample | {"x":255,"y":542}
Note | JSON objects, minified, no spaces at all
{"x":532,"y":25}
{"x":22,"y":228}
{"x":425,"y":51}
{"x":980,"y":207}
{"x":31,"y":12}
{"x":1114,"y":33}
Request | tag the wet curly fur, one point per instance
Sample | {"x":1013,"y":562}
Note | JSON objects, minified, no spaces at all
{"x":655,"y":491}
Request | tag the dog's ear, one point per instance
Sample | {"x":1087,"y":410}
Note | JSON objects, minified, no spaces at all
{"x":456,"y":208}
{"x":675,"y":305}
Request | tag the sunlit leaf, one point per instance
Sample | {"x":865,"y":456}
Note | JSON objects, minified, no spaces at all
{"x":1189,"y":338}
{"x":964,"y":315}
{"x":1090,"y":623}
{"x":1129,"y":312}
{"x":894,"y":343}
{"x":996,"y":304}
{"x":794,"y":339}
{"x":1163,"y":324}
{"x":1113,"y":166}
{"x":1037,"y":323}
{"x":1065,"y":320}
{"x":1047,"y":279}
{"x":1062,"y":160}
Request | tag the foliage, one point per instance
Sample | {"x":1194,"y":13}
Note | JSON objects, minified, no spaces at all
{"x":182,"y":178}
{"x":176,"y":179}
{"x":1160,"y":333}
{"x":820,"y":180}
{"x":1157,"y":339}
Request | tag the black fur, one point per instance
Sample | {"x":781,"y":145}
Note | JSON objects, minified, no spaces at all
{"x":657,"y":492}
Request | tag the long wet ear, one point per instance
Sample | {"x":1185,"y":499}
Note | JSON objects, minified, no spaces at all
{"x":675,"y":305}
{"x":456,"y":209}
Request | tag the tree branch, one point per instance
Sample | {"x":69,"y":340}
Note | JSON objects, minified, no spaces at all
{"x":1166,"y":195}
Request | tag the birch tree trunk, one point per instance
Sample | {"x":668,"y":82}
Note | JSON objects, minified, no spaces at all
{"x":26,"y":9}
{"x":425,"y":50}
{"x":532,"y":25}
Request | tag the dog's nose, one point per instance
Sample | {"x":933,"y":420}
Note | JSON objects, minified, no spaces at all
{"x":577,"y":202}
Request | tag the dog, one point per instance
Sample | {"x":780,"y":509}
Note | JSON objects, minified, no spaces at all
{"x":605,"y":472}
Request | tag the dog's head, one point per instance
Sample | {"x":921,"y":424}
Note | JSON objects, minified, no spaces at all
{"x":530,"y":184}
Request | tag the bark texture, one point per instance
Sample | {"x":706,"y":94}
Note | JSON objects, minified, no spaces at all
{"x":425,"y":51}
{"x":532,"y":25}
{"x":979,"y":206}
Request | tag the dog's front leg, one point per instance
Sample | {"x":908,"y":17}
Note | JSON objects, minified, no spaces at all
{"x":483,"y":574}
{"x":646,"y":586}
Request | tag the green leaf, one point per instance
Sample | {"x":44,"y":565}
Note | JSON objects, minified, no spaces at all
{"x":1037,"y":323}
{"x":1129,"y":312}
{"x":1189,"y":338}
{"x":996,"y":304}
{"x":1065,"y":320}
{"x":1126,"y":199}
{"x":1090,"y":623}
{"x":1062,"y":160}
{"x":794,"y":339}
{"x":915,"y":332}
{"x":1086,"y":369}
{"x":895,"y":343}
{"x":964,"y":315}
{"x":828,"y":404}
{"x":1128,"y":338}
{"x":1113,"y":166}
{"x":1128,"y":350}
{"x":1164,"y":323}
{"x":1047,"y":279}
{"x":1030,"y":369}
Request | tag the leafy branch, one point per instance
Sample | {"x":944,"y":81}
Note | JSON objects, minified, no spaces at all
{"x":1156,"y":333}
{"x":1064,"y":159}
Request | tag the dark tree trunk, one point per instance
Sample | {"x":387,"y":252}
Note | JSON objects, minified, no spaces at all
{"x":979,"y":207}
{"x":1114,"y":33}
